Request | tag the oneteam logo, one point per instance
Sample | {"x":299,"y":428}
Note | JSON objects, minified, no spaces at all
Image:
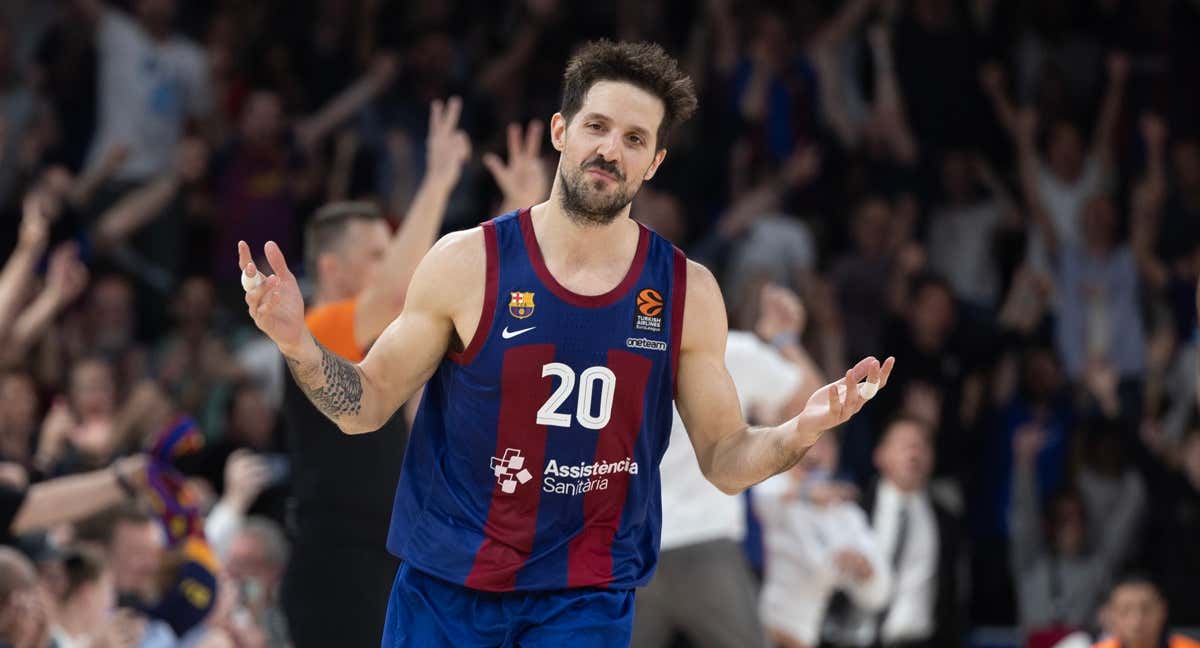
{"x":646,"y":343}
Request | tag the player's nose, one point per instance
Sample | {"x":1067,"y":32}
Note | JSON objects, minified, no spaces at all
{"x":610,"y":148}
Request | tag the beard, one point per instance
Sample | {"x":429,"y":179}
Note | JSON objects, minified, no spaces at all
{"x":584,"y":199}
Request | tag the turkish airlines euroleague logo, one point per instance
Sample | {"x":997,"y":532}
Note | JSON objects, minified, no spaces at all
{"x":648,"y":315}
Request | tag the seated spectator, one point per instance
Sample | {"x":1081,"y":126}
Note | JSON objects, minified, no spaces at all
{"x":818,"y":542}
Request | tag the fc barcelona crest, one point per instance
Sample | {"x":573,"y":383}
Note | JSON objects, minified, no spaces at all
{"x":520,"y":305}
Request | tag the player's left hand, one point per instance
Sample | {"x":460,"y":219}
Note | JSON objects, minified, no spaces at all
{"x":828,"y":408}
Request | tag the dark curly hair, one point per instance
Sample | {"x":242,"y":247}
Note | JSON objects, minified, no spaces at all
{"x":645,"y":65}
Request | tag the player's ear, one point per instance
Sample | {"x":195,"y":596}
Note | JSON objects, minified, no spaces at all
{"x":558,"y":131}
{"x":659,"y":156}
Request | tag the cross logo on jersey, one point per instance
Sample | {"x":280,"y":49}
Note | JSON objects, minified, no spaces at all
{"x":510,"y":469}
{"x":520,"y":304}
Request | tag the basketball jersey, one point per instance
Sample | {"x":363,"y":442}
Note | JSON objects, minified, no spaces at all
{"x":533,"y":461}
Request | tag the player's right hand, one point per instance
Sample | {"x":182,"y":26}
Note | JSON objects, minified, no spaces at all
{"x":276,"y":305}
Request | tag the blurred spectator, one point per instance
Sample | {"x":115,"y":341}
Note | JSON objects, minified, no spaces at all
{"x":255,"y":562}
{"x":818,"y":543}
{"x":135,"y":546}
{"x":17,"y":112}
{"x":264,"y":177}
{"x":965,"y":227}
{"x":1137,"y":617}
{"x":921,"y":541}
{"x":150,"y":81}
{"x":1060,"y":569}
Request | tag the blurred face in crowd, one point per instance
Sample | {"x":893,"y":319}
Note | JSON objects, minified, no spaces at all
{"x":771,"y":35}
{"x":251,"y":565}
{"x":1065,"y":151}
{"x":262,"y":117}
{"x":157,"y":15}
{"x":1099,"y":222}
{"x":905,"y":457}
{"x":251,"y":421}
{"x":111,"y":313}
{"x":93,"y":390}
{"x":956,"y":177}
{"x":194,"y":304}
{"x":1136,"y":613}
{"x":608,"y":150}
{"x":351,"y":264}
{"x":136,"y":552}
{"x":1043,"y":375}
{"x":932,"y":315}
{"x":871,"y":222}
{"x":1068,"y":525}
{"x":1186,"y":160}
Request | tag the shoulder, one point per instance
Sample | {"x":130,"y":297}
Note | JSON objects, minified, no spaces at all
{"x":703,"y":290}
{"x":704,"y":322}
{"x":1180,"y":641}
{"x":454,"y":268}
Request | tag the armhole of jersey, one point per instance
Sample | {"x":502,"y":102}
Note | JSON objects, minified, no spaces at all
{"x":484,"y":327}
{"x":678,"y":296}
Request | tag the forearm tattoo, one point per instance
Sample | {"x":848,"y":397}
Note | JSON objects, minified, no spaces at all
{"x":340,"y":389}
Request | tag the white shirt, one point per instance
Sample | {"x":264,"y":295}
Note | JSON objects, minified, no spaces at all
{"x":693,"y":510}
{"x":960,"y":241}
{"x":146,"y":90}
{"x":1063,"y":203}
{"x":910,"y":616}
{"x":801,"y":541}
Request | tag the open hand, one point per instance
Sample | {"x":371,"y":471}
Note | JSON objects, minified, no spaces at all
{"x":275,"y":305}
{"x":523,"y":179}
{"x":826,"y":408}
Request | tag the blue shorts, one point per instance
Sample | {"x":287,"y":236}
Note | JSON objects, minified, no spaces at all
{"x":427,"y":612}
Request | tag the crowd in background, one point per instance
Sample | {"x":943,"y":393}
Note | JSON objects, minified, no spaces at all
{"x":1003,"y":195}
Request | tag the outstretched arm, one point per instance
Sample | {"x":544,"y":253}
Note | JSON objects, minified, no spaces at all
{"x":361,"y":397}
{"x":312,"y":130}
{"x":733,"y":455}
{"x":381,"y":301}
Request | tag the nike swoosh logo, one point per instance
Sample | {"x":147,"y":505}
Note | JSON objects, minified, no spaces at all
{"x":506,"y":334}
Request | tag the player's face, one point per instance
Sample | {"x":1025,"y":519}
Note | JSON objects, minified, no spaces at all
{"x":1137,"y":614}
{"x":608,"y":150}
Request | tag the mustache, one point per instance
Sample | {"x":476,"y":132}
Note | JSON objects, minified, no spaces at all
{"x":605,"y":166}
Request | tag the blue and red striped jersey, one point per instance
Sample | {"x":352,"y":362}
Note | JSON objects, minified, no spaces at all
{"x":533,"y":461}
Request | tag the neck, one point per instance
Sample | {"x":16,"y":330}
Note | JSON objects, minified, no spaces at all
{"x":566,"y":238}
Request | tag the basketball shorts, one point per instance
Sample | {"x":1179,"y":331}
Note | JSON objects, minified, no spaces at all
{"x":425,"y":611}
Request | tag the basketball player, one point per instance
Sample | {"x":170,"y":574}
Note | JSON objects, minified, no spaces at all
{"x":553,"y":340}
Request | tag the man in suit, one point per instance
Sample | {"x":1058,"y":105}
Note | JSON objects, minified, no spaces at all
{"x":920,"y":539}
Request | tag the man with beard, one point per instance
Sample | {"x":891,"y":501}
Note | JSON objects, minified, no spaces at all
{"x":553,"y":340}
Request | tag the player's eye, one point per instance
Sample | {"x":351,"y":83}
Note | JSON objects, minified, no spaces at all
{"x":595,"y":126}
{"x":636,"y":140}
